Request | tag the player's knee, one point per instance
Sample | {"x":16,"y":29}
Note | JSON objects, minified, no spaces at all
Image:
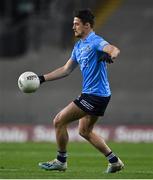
{"x":57,"y":120}
{"x":84,"y":133}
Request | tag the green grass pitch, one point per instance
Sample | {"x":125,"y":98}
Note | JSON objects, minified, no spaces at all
{"x":20,"y":161}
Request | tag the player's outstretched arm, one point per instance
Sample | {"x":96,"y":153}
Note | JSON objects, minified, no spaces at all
{"x":60,"y":72}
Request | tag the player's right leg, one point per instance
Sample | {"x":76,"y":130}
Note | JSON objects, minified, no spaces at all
{"x":69,"y":114}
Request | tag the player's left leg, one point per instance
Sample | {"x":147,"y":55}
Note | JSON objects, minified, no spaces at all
{"x":86,"y":125}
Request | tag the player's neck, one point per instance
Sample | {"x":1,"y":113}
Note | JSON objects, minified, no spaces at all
{"x":86,"y":34}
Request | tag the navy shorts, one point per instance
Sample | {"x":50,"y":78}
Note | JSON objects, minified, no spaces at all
{"x":91,"y":104}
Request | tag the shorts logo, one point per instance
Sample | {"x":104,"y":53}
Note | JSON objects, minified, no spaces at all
{"x":86,"y":104}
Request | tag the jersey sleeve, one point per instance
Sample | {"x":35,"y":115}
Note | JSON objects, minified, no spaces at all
{"x":100,"y":43}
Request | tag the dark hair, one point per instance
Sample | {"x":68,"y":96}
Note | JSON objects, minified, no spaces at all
{"x":85,"y":15}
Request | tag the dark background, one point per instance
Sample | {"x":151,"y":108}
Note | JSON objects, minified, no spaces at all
{"x":37,"y":36}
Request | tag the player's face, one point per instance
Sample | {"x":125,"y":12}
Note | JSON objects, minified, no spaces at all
{"x":79,"y":28}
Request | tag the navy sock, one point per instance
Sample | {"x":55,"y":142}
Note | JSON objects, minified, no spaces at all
{"x":62,"y":156}
{"x":112,"y":158}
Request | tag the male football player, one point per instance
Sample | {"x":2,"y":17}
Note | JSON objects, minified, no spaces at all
{"x":91,"y":53}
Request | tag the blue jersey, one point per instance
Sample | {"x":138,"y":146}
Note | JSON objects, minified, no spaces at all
{"x":87,"y":54}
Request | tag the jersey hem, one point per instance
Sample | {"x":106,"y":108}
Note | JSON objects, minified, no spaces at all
{"x":96,"y":94}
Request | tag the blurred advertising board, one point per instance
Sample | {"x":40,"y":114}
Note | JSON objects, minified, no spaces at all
{"x":38,"y":133}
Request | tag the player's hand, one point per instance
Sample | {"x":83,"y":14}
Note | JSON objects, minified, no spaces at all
{"x":106,"y":57}
{"x":41,"y":79}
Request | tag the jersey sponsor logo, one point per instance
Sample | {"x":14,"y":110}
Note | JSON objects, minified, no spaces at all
{"x":87,"y":48}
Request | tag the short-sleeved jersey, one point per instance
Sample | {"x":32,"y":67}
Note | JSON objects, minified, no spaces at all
{"x":87,"y":53}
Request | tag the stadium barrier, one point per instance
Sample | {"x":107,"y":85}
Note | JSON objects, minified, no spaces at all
{"x":38,"y":133}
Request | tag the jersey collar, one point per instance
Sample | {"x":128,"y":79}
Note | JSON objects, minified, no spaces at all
{"x":88,"y":36}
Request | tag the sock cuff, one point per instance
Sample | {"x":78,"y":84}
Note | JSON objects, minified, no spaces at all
{"x":112,"y":158}
{"x":62,"y":153}
{"x":109,"y":154}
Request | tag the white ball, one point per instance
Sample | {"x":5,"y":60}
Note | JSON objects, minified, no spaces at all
{"x":28,"y":82}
